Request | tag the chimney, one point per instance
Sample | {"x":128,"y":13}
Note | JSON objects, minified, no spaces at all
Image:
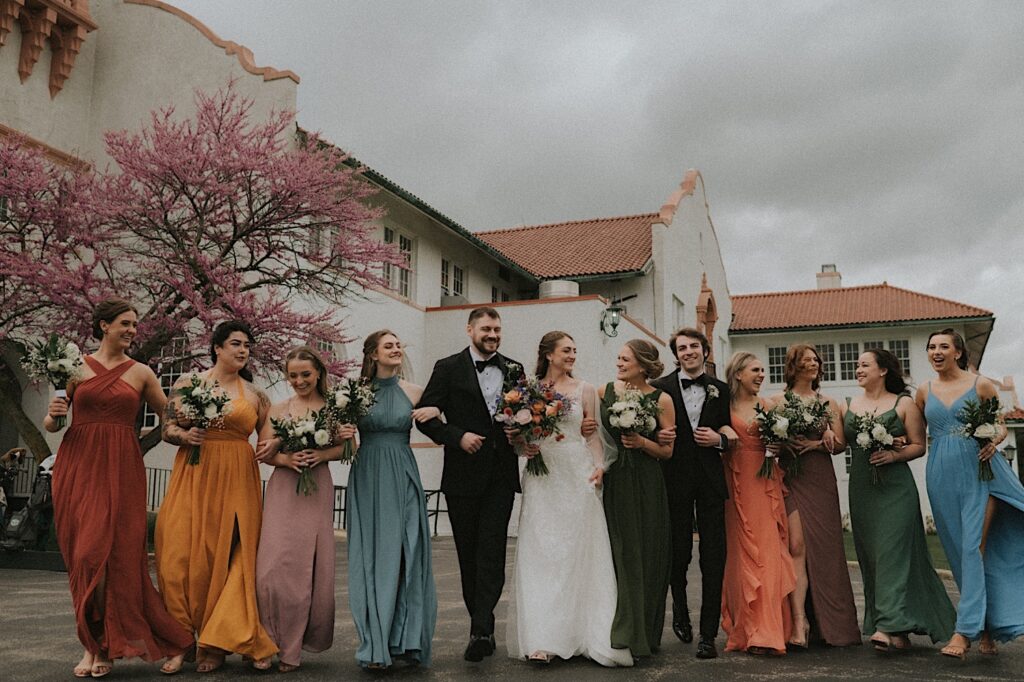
{"x":829,"y":277}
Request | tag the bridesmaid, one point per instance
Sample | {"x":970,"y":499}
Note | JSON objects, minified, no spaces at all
{"x":99,"y":503}
{"x":759,"y":575}
{"x":902,"y":593}
{"x":209,"y":524}
{"x":815,"y":525}
{"x":390,"y":579}
{"x":295,"y":562}
{"x":636,"y":507}
{"x":980,"y":523}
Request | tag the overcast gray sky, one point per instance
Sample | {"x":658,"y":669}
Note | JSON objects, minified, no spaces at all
{"x":885,"y":137}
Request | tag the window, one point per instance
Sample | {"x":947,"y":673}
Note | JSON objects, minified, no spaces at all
{"x":494,"y":294}
{"x":458,"y":281}
{"x":679,"y":309}
{"x":869,"y":345}
{"x":505,"y":297}
{"x":445,"y":277}
{"x":173,"y":363}
{"x":504,"y":273}
{"x":399,"y":277}
{"x":848,"y":354}
{"x":776,"y":364}
{"x":901,"y":349}
{"x":316,"y":238}
{"x":3,"y":208}
{"x":827,"y":353}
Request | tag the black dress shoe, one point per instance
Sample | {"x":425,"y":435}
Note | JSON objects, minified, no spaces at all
{"x":478,"y":647}
{"x":706,"y":648}
{"x":683,"y":630}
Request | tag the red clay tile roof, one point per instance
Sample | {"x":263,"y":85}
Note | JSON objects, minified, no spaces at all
{"x":1016,"y":414}
{"x":842,"y":307}
{"x":581,"y":247}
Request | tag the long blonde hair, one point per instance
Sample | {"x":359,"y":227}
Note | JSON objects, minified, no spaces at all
{"x":737,"y":363}
{"x":310,"y":355}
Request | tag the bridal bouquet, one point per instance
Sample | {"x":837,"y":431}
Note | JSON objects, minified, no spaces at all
{"x":806,"y":417}
{"x":633,"y":412}
{"x":305,"y":433}
{"x":981,"y":421}
{"x":347,"y":403}
{"x":204,"y":405}
{"x":56,"y":362}
{"x":872,"y":436}
{"x":533,"y":411}
{"x":773,"y":427}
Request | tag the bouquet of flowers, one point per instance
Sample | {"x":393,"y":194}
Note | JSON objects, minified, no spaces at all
{"x":873,"y":437}
{"x":55,"y":361}
{"x":633,"y":412}
{"x":204,"y":405}
{"x":305,"y":433}
{"x":534,"y":411}
{"x":347,"y":403}
{"x":981,"y":419}
{"x":773,"y":427}
{"x":808,"y":418}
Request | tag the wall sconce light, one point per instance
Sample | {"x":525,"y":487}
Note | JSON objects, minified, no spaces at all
{"x":610,"y":319}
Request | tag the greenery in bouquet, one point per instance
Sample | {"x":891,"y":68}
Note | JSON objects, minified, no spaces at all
{"x":533,"y":411}
{"x":981,"y":422}
{"x":773,"y":427}
{"x":347,"y":403}
{"x":872,"y":436}
{"x":203,"y":404}
{"x":807,"y":418}
{"x":311,"y":432}
{"x":56,"y":362}
{"x":633,"y":412}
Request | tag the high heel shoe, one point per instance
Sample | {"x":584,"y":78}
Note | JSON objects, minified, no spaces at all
{"x":805,"y":631}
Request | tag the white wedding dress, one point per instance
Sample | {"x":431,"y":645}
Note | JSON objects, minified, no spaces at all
{"x":563,"y":592}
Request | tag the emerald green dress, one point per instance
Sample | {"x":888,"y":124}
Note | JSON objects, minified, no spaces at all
{"x":636,"y":509}
{"x":902,"y":593}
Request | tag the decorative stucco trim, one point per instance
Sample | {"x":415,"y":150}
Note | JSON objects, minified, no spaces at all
{"x":244,"y":54}
{"x":685,"y":189}
{"x":69,"y":160}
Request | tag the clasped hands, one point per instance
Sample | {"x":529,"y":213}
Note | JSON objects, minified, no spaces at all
{"x":268,"y":449}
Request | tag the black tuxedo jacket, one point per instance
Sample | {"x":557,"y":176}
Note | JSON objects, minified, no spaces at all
{"x":455,"y":390}
{"x":688,"y":458}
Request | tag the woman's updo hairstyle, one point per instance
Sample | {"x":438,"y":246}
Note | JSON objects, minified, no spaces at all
{"x":548,"y":344}
{"x":958,"y":342}
{"x":108,"y":311}
{"x":369,"y":369}
{"x":220,"y":337}
{"x":647,"y":356}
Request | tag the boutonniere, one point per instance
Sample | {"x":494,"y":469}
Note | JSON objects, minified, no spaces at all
{"x":513,"y":368}
{"x":712,"y":391}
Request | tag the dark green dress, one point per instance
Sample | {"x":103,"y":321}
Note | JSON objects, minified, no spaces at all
{"x":902,"y":592}
{"x":636,"y":509}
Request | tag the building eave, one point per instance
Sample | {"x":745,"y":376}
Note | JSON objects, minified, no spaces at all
{"x":864,"y":325}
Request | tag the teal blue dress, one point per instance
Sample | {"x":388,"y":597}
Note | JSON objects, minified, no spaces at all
{"x":991,"y":597}
{"x":390,"y":580}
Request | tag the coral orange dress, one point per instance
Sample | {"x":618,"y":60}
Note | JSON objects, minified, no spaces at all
{"x":207,"y":533}
{"x":99,"y":506}
{"x":759,"y":574}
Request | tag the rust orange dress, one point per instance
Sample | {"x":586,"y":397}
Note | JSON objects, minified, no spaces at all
{"x":759,"y":574}
{"x":99,"y":509}
{"x":207,"y":533}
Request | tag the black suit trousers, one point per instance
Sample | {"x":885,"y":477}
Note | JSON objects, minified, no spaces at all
{"x":687,"y":494}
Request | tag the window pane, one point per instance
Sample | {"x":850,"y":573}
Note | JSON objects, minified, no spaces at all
{"x":868,"y":345}
{"x":901,"y":349}
{"x":494,"y":294}
{"x":848,"y":354}
{"x":457,"y":280}
{"x":827,"y":353}
{"x":445,"y":286}
{"x":776,"y":361}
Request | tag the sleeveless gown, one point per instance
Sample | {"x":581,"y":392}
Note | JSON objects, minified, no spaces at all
{"x":902,"y":592}
{"x":991,"y":597}
{"x":295,"y":564}
{"x":390,"y":579}
{"x":99,"y":508}
{"x":206,"y":538}
{"x":636,"y":510}
{"x":759,"y":573}
{"x":564,"y":583}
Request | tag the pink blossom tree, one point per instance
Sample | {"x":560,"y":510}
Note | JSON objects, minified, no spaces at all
{"x":203,"y":218}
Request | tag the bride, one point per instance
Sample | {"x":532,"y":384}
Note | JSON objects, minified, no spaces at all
{"x":564,"y":591}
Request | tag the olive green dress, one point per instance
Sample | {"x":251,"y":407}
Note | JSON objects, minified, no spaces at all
{"x":636,"y":509}
{"x":902,"y":593}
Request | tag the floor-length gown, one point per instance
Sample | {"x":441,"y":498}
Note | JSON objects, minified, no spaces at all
{"x":390,"y":580}
{"x":636,"y":509}
{"x":99,"y":505}
{"x":206,"y":539}
{"x":564,"y":592}
{"x":902,"y":592}
{"x":295,"y":564}
{"x":759,"y":573}
{"x":815,"y":494}
{"x":991,"y":596}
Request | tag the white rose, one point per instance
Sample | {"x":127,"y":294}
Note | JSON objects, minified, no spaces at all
{"x":619,"y":407}
{"x":613,"y":419}
{"x":321,"y":437}
{"x":627,"y":419}
{"x":807,"y":417}
{"x":73,"y":351}
{"x":986,"y":431}
{"x":53,"y":365}
{"x":879,"y":433}
{"x":341,"y":399}
{"x":210,"y":412}
{"x":523,"y":417}
{"x":66,"y":365}
{"x":887,"y":439}
{"x":863,"y":439}
{"x":650,"y":423}
{"x":307,"y":426}
{"x":781,"y":427}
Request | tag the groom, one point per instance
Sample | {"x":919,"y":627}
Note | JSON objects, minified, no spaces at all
{"x":694,"y":478}
{"x":481,"y":471}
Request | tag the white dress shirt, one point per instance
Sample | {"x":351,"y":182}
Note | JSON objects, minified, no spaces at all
{"x":490,"y":379}
{"x":693,"y":399}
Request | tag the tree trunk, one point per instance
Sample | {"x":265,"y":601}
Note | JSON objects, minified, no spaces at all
{"x":10,"y":405}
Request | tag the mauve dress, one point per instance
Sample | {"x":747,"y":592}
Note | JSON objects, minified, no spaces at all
{"x":295,"y":564}
{"x":99,"y":509}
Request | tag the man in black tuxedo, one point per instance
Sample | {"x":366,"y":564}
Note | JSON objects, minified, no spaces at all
{"x":481,"y":470}
{"x":694,"y":478}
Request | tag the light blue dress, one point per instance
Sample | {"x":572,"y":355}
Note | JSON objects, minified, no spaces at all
{"x":390,"y":581}
{"x":991,"y":593}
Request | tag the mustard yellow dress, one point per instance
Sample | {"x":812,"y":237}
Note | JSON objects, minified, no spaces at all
{"x":207,"y":533}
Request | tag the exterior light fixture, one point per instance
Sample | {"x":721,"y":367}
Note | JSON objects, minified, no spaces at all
{"x":610,"y":319}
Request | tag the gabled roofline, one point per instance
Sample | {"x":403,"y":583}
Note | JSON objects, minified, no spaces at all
{"x":864,"y":325}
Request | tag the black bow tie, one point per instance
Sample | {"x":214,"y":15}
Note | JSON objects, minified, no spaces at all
{"x":702,"y":380}
{"x":481,"y":365}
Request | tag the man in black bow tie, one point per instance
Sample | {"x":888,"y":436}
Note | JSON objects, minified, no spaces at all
{"x":695,"y":479}
{"x":481,"y":471}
